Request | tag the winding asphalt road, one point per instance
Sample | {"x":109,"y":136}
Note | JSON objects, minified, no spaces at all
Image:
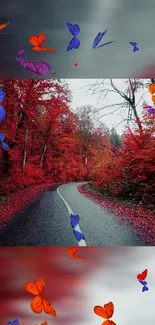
{"x":46,"y":222}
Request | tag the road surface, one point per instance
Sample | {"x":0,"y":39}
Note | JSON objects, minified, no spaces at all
{"x":46,"y":222}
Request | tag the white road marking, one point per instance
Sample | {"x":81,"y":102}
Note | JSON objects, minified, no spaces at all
{"x":82,"y":242}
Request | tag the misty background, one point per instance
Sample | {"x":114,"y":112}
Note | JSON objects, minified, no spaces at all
{"x":81,"y":96}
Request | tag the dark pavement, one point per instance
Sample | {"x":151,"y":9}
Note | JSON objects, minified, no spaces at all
{"x":46,"y":222}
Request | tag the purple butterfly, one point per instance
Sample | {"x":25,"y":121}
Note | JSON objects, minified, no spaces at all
{"x":74,"y":29}
{"x":2,"y":114}
{"x":74,"y":220}
{"x":4,"y":145}
{"x":145,"y":288}
{"x":15,"y":322}
{"x":135,"y":47}
{"x":149,"y":109}
{"x":78,"y":235}
{"x":97,"y":40}
{"x":73,"y":44}
{"x":40,"y":68}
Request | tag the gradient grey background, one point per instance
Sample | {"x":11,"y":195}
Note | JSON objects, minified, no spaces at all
{"x":126,"y":21}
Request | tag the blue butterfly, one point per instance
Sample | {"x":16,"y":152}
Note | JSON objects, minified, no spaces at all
{"x":2,"y":114}
{"x":15,"y":322}
{"x":78,"y":235}
{"x":4,"y":145}
{"x":97,"y":40}
{"x":2,"y":94}
{"x":135,"y":47}
{"x":74,"y":29}
{"x":73,"y":44}
{"x":74,"y":220}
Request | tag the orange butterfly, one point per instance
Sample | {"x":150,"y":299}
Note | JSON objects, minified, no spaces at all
{"x":72,"y":251}
{"x":37,"y":41}
{"x":4,"y":25}
{"x":39,"y":303}
{"x":44,"y":323}
{"x":105,"y":312}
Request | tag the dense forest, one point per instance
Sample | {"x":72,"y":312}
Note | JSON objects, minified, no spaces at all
{"x":49,"y":143}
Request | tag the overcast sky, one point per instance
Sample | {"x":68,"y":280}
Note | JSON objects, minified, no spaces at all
{"x":125,"y":21}
{"x":84,"y":97}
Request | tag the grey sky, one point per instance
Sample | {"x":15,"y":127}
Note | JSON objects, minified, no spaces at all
{"x":84,"y":97}
{"x":126,"y":21}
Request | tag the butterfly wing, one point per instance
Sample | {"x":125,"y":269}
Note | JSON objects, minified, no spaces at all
{"x":37,"y":40}
{"x":27,"y":64}
{"x":144,"y":274}
{"x":10,"y":323}
{"x":133,"y":43}
{"x":73,"y":44}
{"x":70,"y":45}
{"x":78,"y":235}
{"x":43,"y":68}
{"x":48,"y":308}
{"x":36,"y":288}
{"x":2,"y":94}
{"x":108,"y":322}
{"x":2,"y":114}
{"x":15,"y":321}
{"x":98,"y":39}
{"x":72,"y":251}
{"x":109,"y":309}
{"x":100,"y":311}
{"x":2,"y":136}
{"x":145,"y":288}
{"x":151,"y":110}
{"x":44,"y":323}
{"x":74,"y":220}
{"x":143,"y":282}
{"x":37,"y":305}
{"x":4,"y":25}
{"x":74,"y":29}
{"x":21,"y":51}
{"x":37,"y":49}
{"x":5,"y":146}
{"x":104,"y":44}
{"x":48,"y":49}
{"x":136,"y":48}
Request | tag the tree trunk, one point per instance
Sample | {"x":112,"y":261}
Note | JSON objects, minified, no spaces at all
{"x":137,"y":117}
{"x":43,"y":154}
{"x":25,"y":148}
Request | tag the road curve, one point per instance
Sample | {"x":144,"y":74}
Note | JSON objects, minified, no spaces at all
{"x":46,"y":222}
